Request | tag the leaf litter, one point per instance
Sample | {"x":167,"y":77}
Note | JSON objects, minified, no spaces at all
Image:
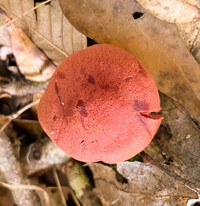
{"x":169,"y":67}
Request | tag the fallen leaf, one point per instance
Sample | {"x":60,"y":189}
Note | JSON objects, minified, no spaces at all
{"x":190,"y":33}
{"x":46,"y":26}
{"x":174,"y":11}
{"x":154,"y":42}
{"x":32,"y":62}
{"x":176,"y":144}
{"x":146,"y":186}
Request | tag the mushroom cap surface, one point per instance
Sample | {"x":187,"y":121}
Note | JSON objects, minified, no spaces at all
{"x":98,"y":105}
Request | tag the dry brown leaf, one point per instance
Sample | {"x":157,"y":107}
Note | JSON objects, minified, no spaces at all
{"x":46,"y":26}
{"x":146,"y":185}
{"x":33,"y":64}
{"x":174,"y":11}
{"x":154,"y":42}
{"x":190,"y":33}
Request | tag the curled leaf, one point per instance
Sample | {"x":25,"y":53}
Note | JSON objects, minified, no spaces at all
{"x":32,"y":62}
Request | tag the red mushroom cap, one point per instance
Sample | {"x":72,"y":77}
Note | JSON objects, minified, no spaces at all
{"x":98,"y":105}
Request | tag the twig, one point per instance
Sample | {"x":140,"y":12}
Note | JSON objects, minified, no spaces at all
{"x":74,"y":198}
{"x":59,"y":186}
{"x":187,"y":183}
{"x":28,"y":106}
{"x":28,"y":187}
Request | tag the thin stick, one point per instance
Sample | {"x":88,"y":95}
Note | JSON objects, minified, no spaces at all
{"x":59,"y":186}
{"x":74,"y":198}
{"x":28,"y":106}
{"x":28,"y":187}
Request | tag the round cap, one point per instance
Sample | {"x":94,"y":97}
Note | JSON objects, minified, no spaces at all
{"x":98,"y":105}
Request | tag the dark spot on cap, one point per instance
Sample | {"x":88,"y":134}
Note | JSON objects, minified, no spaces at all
{"x":61,"y":75}
{"x":54,"y":118}
{"x":91,"y":79}
{"x":140,"y":105}
{"x":82,"y":143}
{"x":81,"y":107}
{"x":81,"y":104}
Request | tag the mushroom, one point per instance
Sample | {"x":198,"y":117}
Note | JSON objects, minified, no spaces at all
{"x":100,"y":105}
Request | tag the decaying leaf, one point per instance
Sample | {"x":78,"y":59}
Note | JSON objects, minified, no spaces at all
{"x":176,"y":145}
{"x":146,"y":185}
{"x":46,"y":26}
{"x":174,"y":11}
{"x":154,"y":42}
{"x":32,"y":62}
